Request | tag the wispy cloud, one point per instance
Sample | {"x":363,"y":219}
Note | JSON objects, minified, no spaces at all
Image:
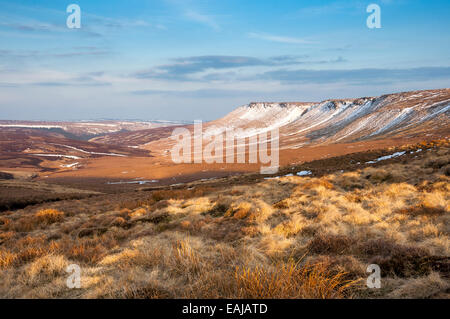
{"x":198,"y":93}
{"x":35,"y":54}
{"x":207,"y":20}
{"x":332,"y":8}
{"x":184,"y":68}
{"x":55,"y":84}
{"x":31,"y":26}
{"x":278,"y":38}
{"x":73,"y":83}
{"x":52,"y":78}
{"x":115,"y":23}
{"x":356,"y":76}
{"x":93,"y":25}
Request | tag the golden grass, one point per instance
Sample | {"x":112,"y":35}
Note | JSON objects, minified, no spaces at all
{"x":49,"y":216}
{"x":289,"y":280}
{"x":7,"y":259}
{"x":425,"y":287}
{"x":292,"y":237}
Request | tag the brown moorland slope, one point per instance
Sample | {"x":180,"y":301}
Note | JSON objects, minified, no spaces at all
{"x":308,"y":131}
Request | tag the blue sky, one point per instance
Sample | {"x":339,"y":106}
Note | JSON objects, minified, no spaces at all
{"x":192,"y":59}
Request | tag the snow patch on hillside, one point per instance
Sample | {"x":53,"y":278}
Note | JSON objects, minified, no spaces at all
{"x":383,"y":158}
{"x":58,"y":155}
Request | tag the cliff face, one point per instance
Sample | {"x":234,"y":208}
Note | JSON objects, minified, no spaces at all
{"x":348,"y":120}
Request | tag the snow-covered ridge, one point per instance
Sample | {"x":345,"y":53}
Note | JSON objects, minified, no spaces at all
{"x":340,"y":120}
{"x":31,"y":126}
{"x":81,"y":128}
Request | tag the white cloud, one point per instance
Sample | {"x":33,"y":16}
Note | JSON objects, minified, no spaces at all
{"x":278,"y":38}
{"x":202,"y":18}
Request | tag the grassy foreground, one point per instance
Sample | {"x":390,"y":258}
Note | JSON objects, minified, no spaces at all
{"x":288,"y":237}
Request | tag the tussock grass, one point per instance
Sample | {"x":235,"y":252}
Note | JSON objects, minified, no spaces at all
{"x":49,"y":216}
{"x":292,"y":237}
{"x":289,"y":280}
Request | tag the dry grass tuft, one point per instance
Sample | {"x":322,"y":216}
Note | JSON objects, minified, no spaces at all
{"x":49,"y":216}
{"x":241,"y":211}
{"x":331,"y":244}
{"x":350,"y":181}
{"x":7,"y":259}
{"x":219,"y":209}
{"x":44,"y":269}
{"x":378,"y":175}
{"x":437,"y":162}
{"x":317,"y":183}
{"x":4,"y":221}
{"x":289,"y":280}
{"x":185,"y":258}
{"x":422,"y":210}
{"x":426,"y":287}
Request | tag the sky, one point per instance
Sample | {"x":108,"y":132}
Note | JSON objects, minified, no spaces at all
{"x":195,"y":59}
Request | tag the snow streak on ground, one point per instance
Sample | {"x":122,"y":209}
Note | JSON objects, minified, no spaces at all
{"x":87,"y":152}
{"x":133,"y":182}
{"x":383,"y":158}
{"x":58,"y":155}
